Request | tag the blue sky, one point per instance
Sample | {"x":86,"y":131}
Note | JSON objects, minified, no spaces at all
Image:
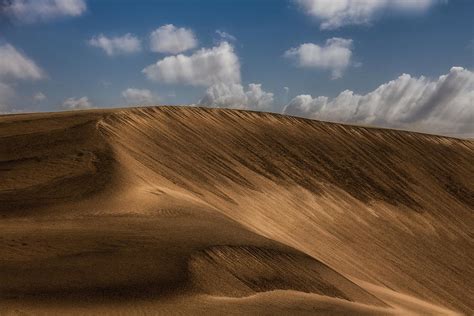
{"x":426,"y":38}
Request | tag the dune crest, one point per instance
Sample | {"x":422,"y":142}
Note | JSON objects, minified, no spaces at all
{"x":214,"y":210}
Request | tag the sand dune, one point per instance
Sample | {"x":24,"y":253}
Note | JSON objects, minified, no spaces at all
{"x":191,"y":210}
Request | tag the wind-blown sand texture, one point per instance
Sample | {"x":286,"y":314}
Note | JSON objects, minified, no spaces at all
{"x":214,"y":211}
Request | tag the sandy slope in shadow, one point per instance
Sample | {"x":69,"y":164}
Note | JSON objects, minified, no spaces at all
{"x":192,"y":210}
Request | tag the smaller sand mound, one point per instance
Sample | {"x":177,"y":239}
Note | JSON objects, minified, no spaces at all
{"x":246,"y":270}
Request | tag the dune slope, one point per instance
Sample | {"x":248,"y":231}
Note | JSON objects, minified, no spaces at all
{"x":182,"y":209}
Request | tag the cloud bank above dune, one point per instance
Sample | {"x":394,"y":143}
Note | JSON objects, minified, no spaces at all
{"x":335,"y":14}
{"x":235,"y":96}
{"x":77,"y":104}
{"x":443,"y":106}
{"x":139,"y":96}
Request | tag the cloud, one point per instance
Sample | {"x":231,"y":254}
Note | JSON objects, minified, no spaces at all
{"x":120,"y":45}
{"x":31,"y":11}
{"x":233,"y":96}
{"x":442,"y":106}
{"x":6,"y":94}
{"x":226,"y":36}
{"x":77,"y":104}
{"x":40,"y":96}
{"x":335,"y":14}
{"x":139,"y":96}
{"x":15,"y":65}
{"x":335,"y":55}
{"x":205,"y":67}
{"x":173,"y":40}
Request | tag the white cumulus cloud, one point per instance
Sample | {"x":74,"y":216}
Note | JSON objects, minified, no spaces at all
{"x":170,"y":39}
{"x":334,"y":14}
{"x":442,"y":106}
{"x":234,"y":96}
{"x":30,"y":11}
{"x":77,"y":104}
{"x":335,"y":55}
{"x":119,"y":45}
{"x":205,"y":67}
{"x":15,"y":65}
{"x":139,"y":96}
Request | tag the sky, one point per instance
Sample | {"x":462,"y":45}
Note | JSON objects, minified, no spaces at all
{"x":404,"y":64}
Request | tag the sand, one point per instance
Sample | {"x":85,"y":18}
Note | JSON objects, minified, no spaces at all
{"x":186,"y":210}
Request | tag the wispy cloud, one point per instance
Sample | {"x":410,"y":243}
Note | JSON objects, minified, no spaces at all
{"x":6,"y":94}
{"x":119,"y":45}
{"x":15,"y":65}
{"x":226,"y":36}
{"x":39,"y":96}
